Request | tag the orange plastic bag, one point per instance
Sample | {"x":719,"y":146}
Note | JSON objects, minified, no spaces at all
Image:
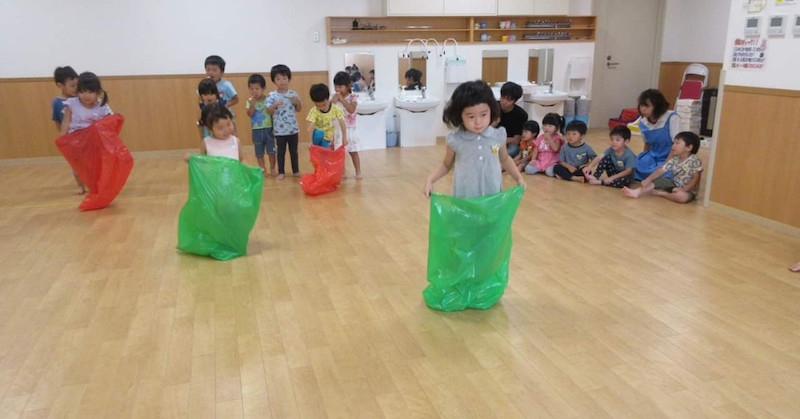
{"x":328,"y":170}
{"x":100,"y":159}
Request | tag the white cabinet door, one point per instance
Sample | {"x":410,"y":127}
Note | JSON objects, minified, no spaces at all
{"x":414,"y":7}
{"x":551,"y":7}
{"x":470,"y":7}
{"x":515,"y":7}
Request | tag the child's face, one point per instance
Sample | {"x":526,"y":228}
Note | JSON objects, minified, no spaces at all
{"x":214,"y":72}
{"x":549,"y":129}
{"x":222,"y":128}
{"x":87,"y":98}
{"x":528,"y":135}
{"x":506,"y":103}
{"x":476,"y":118}
{"x":342,"y":89}
{"x":69,"y":88}
{"x":574,"y":137}
{"x":256,"y":90}
{"x":679,"y":147}
{"x":322,"y":105}
{"x":281,"y":81}
{"x":209,"y":98}
{"x":647,"y":109}
{"x":617,"y":142}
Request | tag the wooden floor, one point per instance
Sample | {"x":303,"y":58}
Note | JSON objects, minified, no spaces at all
{"x":615,"y":307}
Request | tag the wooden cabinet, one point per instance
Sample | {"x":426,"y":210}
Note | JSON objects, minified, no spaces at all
{"x":470,"y":7}
{"x":515,"y":7}
{"x":399,"y":29}
{"x":414,"y":7}
{"x":551,"y":7}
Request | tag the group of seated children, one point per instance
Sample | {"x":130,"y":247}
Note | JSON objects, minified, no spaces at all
{"x":273,"y":116}
{"x":547,"y":152}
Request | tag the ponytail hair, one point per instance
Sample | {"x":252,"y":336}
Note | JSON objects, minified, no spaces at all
{"x":554,"y":119}
{"x":89,"y":82}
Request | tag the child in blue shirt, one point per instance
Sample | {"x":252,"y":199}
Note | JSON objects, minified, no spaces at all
{"x":618,"y":161}
{"x":575,"y":155}
{"x":215,"y":69}
{"x":67,"y":80}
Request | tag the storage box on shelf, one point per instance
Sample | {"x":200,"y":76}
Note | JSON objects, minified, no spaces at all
{"x":399,"y":29}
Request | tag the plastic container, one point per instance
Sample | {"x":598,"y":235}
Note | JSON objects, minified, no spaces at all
{"x":391,"y":138}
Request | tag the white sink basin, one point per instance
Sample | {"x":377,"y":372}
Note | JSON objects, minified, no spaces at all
{"x":369,"y":107}
{"x":417,"y":104}
{"x":547,"y":98}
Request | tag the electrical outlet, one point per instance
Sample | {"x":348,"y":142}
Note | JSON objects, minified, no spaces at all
{"x":315,"y":36}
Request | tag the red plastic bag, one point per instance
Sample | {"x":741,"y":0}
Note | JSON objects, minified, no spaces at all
{"x":100,"y":159}
{"x":328,"y":170}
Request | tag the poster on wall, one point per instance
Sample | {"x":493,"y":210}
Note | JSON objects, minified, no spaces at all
{"x":785,"y":2}
{"x":749,"y":53}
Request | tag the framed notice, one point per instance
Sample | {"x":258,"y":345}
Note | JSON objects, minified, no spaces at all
{"x":785,"y":2}
{"x":749,"y":53}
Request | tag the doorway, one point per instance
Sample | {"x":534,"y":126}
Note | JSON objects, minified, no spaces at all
{"x":627,"y":53}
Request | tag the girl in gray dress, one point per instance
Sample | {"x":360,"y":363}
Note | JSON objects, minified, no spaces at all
{"x":475,"y":148}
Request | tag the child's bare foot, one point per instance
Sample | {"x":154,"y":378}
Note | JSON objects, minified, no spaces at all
{"x":281,"y":176}
{"x":359,"y":176}
{"x":659,"y":192}
{"x":80,"y":191}
{"x":795,"y":267}
{"x":273,"y":172}
{"x":264,"y":172}
{"x":631,"y":193}
{"x":296,"y":174}
{"x":594,"y":181}
{"x":580,"y":179}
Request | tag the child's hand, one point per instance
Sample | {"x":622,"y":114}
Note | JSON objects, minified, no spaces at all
{"x":295,"y":100}
{"x":428,"y":188}
{"x":336,"y":98}
{"x":279,"y":103}
{"x":521,"y":182}
{"x":586,"y":171}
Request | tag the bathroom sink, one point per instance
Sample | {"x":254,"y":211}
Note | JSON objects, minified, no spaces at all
{"x":546,"y":97}
{"x":417,"y":104}
{"x":369,"y":107}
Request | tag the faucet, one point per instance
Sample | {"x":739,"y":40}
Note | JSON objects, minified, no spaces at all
{"x":551,"y":86}
{"x":423,"y":92}
{"x":371,"y":92}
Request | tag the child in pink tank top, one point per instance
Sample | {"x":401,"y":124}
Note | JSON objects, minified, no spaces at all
{"x":219,"y":120}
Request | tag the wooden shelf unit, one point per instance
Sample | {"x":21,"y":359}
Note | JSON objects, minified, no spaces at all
{"x":399,"y":29}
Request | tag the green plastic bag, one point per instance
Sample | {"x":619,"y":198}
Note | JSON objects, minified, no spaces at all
{"x":224,"y":198}
{"x":469,"y":246}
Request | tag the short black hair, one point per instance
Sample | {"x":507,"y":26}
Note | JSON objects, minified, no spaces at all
{"x":554,"y":119}
{"x":576,"y":125}
{"x":511,"y":90}
{"x":62,"y":74}
{"x":622,"y":131}
{"x":356,"y":76}
{"x":212,"y":113}
{"x":89,"y":82}
{"x":531,"y":126}
{"x":414,"y":75}
{"x":342,"y":79}
{"x":207,"y":87}
{"x":319,"y":92}
{"x":257,"y":79}
{"x":657,"y":99}
{"x":215,"y":60}
{"x":468,"y":94}
{"x":280,"y":69}
{"x":689,"y":138}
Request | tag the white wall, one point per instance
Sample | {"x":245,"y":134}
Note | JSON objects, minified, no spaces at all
{"x":782,"y":56}
{"x":581,"y":7}
{"x":695,"y":30}
{"x":132,"y":37}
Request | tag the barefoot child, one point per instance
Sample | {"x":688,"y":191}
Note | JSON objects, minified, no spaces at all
{"x":261,"y":123}
{"x":574,"y":156}
{"x":348,"y":101}
{"x":618,"y":161}
{"x":686,"y":168}
{"x":530,"y":130}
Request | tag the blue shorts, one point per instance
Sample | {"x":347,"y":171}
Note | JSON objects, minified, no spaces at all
{"x":263,"y":140}
{"x":321,"y":143}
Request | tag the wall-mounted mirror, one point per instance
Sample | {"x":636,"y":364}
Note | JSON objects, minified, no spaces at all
{"x":414,"y":60}
{"x":494,"y":66}
{"x":362,"y":63}
{"x":540,"y":65}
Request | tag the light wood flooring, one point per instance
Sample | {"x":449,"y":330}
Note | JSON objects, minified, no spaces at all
{"x":615,"y":307}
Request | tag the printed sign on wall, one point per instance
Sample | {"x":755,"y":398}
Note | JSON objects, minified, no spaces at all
{"x":749,"y":53}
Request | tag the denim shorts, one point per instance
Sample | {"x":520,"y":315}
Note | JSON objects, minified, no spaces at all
{"x":263,"y":140}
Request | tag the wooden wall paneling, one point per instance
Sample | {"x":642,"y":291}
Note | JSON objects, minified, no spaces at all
{"x":160,"y":111}
{"x":755,"y":168}
{"x":671,"y":75}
